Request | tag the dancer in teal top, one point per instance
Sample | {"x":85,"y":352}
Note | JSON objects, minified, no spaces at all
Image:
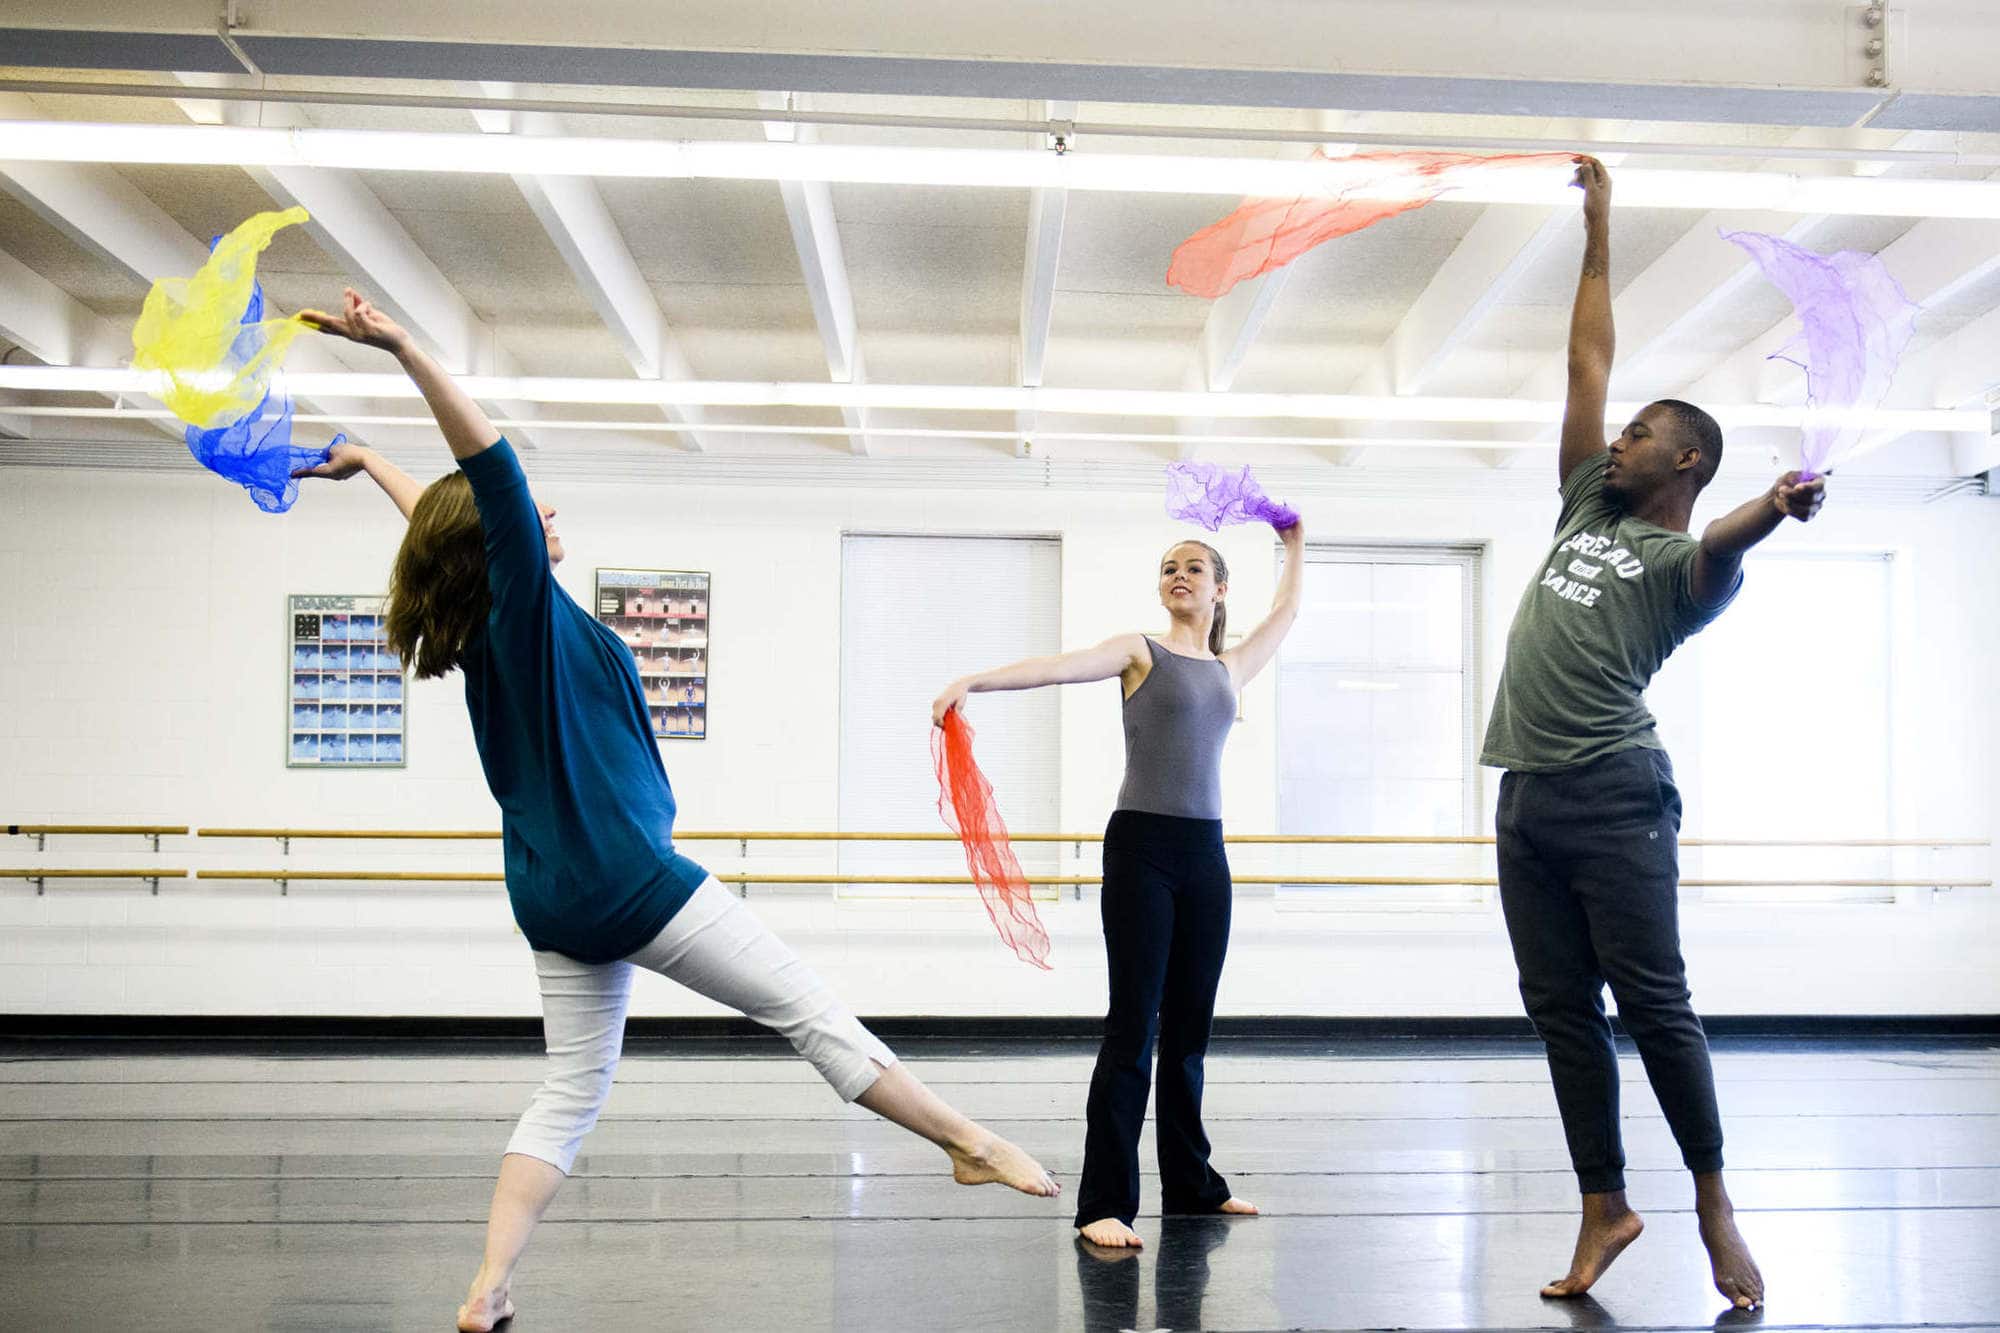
{"x":586,"y":809}
{"x":588,"y":816}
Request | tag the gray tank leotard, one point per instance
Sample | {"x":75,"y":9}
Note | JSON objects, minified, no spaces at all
{"x":1175,"y":724}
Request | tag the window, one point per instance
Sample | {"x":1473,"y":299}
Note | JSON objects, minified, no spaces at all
{"x":1793,"y":727}
{"x":1377,"y":701}
{"x":916,"y":613}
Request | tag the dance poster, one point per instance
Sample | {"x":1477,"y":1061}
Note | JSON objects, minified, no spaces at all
{"x":345,"y":685}
{"x":662,"y":615}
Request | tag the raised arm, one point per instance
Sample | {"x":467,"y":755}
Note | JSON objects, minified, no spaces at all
{"x":1591,"y":338}
{"x":464,"y":426}
{"x":345,"y":460}
{"x":1113,"y":657}
{"x":1252,"y":655}
{"x":1724,"y":542}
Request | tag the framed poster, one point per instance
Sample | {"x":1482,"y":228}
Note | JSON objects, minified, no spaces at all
{"x":662,"y":615}
{"x":345,"y":690}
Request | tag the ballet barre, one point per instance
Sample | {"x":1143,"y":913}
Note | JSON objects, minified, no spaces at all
{"x":38,"y":875}
{"x":743,"y":837}
{"x":41,"y":833}
{"x":744,"y":880}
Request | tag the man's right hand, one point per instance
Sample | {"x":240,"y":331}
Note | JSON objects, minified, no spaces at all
{"x":1595,"y":182}
{"x":1592,"y":340}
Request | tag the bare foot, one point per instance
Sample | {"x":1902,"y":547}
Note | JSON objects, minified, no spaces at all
{"x":1608,"y":1227}
{"x":1238,"y":1208}
{"x":998,"y":1160}
{"x":485,"y":1308}
{"x":1112,"y":1234}
{"x":1736,"y":1274}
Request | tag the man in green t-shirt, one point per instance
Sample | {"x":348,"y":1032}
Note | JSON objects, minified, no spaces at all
{"x":1589,"y":818}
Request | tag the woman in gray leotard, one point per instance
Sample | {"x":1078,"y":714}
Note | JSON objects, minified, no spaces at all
{"x":1167,"y":890}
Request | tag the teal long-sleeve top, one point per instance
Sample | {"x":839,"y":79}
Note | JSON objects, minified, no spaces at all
{"x":560,"y":719}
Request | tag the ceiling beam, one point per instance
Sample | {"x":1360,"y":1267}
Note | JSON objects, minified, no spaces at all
{"x":572,"y":212}
{"x":1695,"y":276}
{"x":58,"y":330}
{"x":1505,"y":241}
{"x":1707,"y":60}
{"x":100,"y":210}
{"x":1235,"y":319}
{"x":1965,"y":368}
{"x":53,"y":326}
{"x":106,"y":214}
{"x":353,"y":226}
{"x":1234,"y":322}
{"x":985,"y":398}
{"x":1501,"y":246}
{"x":823,"y":267}
{"x":1047,"y":209}
{"x":1027,"y":426}
{"x":1046,"y":213}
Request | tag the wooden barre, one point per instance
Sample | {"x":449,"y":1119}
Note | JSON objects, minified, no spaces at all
{"x":682,"y":836}
{"x":161,"y":873}
{"x":105,"y":830}
{"x":40,"y":877}
{"x":1365,"y":881}
{"x":439,"y":834}
{"x":1069,"y":881}
{"x":1245,"y":839}
{"x":1836,"y":842}
{"x":412,"y":876}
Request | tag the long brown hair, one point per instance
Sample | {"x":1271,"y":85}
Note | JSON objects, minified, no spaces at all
{"x":1220,"y":569}
{"x":438,"y":596}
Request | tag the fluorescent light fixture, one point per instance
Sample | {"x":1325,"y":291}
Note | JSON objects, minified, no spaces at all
{"x":650,"y":426}
{"x":1007,"y":168}
{"x":997,"y":398}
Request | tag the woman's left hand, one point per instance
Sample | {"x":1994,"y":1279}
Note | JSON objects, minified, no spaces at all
{"x":342,"y":462}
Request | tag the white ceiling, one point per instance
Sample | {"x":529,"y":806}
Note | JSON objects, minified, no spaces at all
{"x":936,"y":274}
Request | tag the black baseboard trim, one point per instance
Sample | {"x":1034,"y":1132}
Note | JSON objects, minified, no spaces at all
{"x":179,"y":1031}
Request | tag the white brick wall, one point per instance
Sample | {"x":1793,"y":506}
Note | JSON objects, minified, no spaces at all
{"x":142,"y":625}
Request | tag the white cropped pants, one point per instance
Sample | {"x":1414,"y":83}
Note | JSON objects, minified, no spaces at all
{"x":715,"y":946}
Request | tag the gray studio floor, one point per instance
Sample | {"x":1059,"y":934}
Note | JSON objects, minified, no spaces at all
{"x":1405,"y":1185}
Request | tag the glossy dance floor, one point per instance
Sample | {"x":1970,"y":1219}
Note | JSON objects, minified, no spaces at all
{"x":1405,"y":1185}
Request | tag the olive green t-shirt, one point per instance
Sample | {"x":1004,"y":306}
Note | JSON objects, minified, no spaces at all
{"x":1613,"y":599}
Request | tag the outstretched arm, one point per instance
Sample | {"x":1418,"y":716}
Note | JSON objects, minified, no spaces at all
{"x":1724,"y":542}
{"x":1591,"y":337}
{"x":345,"y":460}
{"x":1113,"y":657}
{"x":465,"y":427}
{"x":1252,"y":655}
